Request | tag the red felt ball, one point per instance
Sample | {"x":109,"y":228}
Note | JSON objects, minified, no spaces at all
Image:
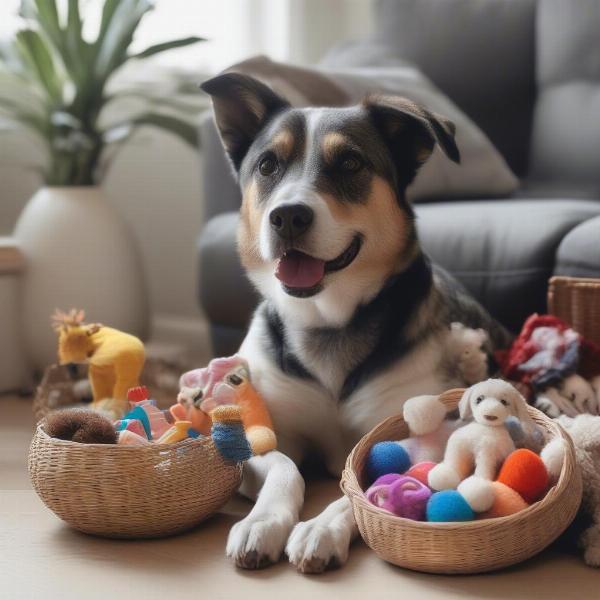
{"x":525,"y":472}
{"x":506,"y":502}
{"x":420,"y":471}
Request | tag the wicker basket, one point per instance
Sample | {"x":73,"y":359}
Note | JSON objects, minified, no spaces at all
{"x":473,"y":547}
{"x":577,"y":301}
{"x":131,"y":492}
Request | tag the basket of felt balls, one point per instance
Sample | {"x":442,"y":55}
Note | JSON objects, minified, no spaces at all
{"x":463,"y":495}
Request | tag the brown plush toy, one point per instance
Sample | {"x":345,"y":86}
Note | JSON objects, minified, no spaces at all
{"x":80,"y":425}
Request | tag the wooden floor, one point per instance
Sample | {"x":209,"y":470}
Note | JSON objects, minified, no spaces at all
{"x":40,"y":558}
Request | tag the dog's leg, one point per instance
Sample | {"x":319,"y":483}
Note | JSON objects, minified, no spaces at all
{"x":258,"y":540}
{"x":323,"y":542}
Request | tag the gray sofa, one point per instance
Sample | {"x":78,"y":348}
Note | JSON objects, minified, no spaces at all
{"x":528,"y":73}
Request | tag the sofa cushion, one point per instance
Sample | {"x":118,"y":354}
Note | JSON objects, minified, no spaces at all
{"x":502,"y":251}
{"x":482,"y":171}
{"x":579,"y":252}
{"x":566,"y":134}
{"x":480,"y":53}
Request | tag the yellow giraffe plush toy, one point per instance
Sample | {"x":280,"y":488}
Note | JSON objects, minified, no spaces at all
{"x":115,"y":358}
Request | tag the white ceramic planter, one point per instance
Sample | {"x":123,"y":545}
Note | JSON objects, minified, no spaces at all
{"x":79,"y":253}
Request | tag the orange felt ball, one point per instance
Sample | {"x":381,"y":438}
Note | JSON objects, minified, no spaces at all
{"x":525,"y":472}
{"x":506,"y":502}
{"x":420,"y":471}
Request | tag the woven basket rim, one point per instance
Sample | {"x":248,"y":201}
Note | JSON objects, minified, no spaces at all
{"x":149,"y":448}
{"x":351,"y":487}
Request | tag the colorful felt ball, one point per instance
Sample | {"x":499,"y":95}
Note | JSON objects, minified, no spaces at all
{"x":447,"y":506}
{"x":386,"y":479}
{"x":525,"y":472}
{"x":386,"y":457}
{"x":420,"y":471}
{"x":405,"y":497}
{"x":506,"y":502}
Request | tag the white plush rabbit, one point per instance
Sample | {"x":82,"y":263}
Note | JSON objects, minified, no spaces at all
{"x":481,"y":446}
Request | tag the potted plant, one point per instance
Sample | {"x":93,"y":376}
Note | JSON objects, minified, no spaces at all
{"x":57,"y":85}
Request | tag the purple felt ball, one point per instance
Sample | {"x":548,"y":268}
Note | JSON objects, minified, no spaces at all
{"x":386,"y":479}
{"x":405,"y":497}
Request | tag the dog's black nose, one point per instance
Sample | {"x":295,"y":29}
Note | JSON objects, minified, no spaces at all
{"x":291,"y":220}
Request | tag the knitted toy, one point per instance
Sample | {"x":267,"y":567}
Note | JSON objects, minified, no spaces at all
{"x":115,"y":358}
{"x":485,"y":442}
{"x":555,"y":366}
{"x":227,"y":381}
{"x":80,"y":425}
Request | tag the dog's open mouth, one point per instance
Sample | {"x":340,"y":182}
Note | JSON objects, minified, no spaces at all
{"x":302,"y":274}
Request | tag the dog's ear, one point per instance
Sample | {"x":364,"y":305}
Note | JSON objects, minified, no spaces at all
{"x":243,"y":105}
{"x":464,"y":405}
{"x":521,"y":412}
{"x":411,"y":132}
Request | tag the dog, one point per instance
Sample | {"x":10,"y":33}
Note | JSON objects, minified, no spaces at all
{"x":354,"y":319}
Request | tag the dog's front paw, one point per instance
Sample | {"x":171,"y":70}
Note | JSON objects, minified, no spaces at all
{"x":258,"y":540}
{"x":315,"y":547}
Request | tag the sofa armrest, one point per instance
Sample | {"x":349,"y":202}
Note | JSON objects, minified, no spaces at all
{"x":579,"y":252}
{"x":221,"y":191}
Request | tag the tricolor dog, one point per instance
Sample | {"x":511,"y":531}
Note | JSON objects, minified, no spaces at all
{"x":354,"y":319}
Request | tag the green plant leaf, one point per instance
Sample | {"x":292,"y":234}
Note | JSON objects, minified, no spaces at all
{"x":75,"y":44}
{"x":45,"y":14}
{"x":178,"y":127}
{"x":112,"y":49}
{"x":37,"y":57}
{"x":162,"y":47}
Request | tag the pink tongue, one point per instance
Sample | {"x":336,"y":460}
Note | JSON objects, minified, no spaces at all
{"x":300,"y":270}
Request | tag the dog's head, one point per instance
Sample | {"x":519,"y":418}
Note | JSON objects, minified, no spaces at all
{"x":324,"y":220}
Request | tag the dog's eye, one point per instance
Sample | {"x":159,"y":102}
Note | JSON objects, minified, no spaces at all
{"x":479,"y":400}
{"x":504,"y":401}
{"x":268,"y":166}
{"x":351,"y":163}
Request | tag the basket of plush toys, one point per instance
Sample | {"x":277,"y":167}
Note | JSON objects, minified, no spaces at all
{"x":463,"y":495}
{"x":123,"y":467}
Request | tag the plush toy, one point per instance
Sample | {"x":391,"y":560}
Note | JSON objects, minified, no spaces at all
{"x":429,"y":429}
{"x":556,"y":367}
{"x":506,"y":502}
{"x":115,"y":358}
{"x":403,"y":496}
{"x":466,"y":354}
{"x":80,"y":425}
{"x":525,"y":472}
{"x":532,"y":440}
{"x":447,"y":506}
{"x":485,"y":442}
{"x":227,"y":381}
{"x":585,"y":433}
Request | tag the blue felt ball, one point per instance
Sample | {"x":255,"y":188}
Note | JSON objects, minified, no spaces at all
{"x":386,"y":457}
{"x":448,"y":505}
